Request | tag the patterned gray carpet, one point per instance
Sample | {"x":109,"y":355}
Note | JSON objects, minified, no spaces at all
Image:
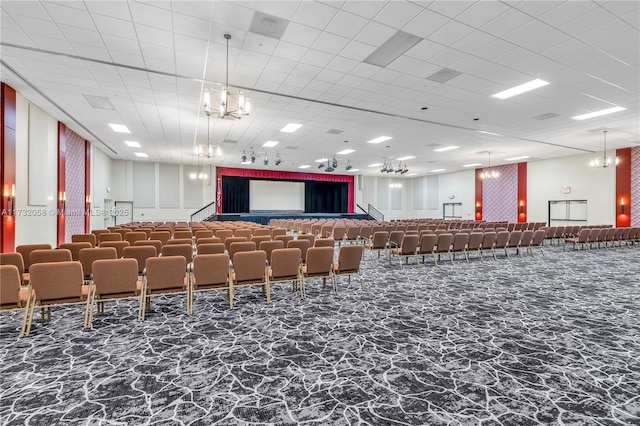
{"x":528,"y":340}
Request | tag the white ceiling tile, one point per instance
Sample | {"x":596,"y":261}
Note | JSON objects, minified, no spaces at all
{"x":386,"y":75}
{"x":306,"y":70}
{"x":342,"y":64}
{"x":280,"y":64}
{"x":566,"y":12}
{"x":190,"y":26}
{"x":283,"y":9}
{"x":154,"y":35}
{"x":505,"y":23}
{"x":114,"y":26}
{"x":425,"y":23}
{"x":346,"y":24}
{"x":404,"y":64}
{"x":494,"y":49}
{"x":289,"y":51}
{"x":366,"y":9}
{"x":451,"y":8}
{"x":194,"y":9}
{"x":330,"y":43}
{"x":365,"y":70}
{"x":474,"y":41}
{"x":481,"y":13}
{"x":375,"y":34}
{"x":225,"y":12}
{"x":154,"y":51}
{"x":53,"y":44}
{"x":126,"y":58}
{"x":17,"y":37}
{"x":300,"y":34}
{"x":69,"y":16}
{"x":253,"y":59}
{"x":317,"y":58}
{"x":397,"y":14}
{"x":447,"y":57}
{"x":356,"y":50}
{"x":120,"y":44}
{"x":450,"y":33}
{"x":74,"y":33}
{"x":316,"y":15}
{"x":536,"y":7}
{"x":151,"y":16}
{"x":38,"y":27}
{"x":329,"y":76}
{"x":529,"y":31}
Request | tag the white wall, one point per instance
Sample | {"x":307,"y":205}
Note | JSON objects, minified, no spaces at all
{"x":35,"y":223}
{"x":546,"y":178}
{"x":458,"y":187}
{"x":122,"y":184}
{"x":100,"y":189}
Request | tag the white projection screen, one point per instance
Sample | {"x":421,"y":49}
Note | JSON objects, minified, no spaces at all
{"x":271,"y":195}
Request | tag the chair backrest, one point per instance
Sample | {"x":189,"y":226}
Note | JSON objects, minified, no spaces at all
{"x":353,"y":232}
{"x":284,"y":238}
{"x":211,"y":248}
{"x":147,"y":231}
{"x":502,"y":238}
{"x":113,"y":236}
{"x":243,"y":232}
{"x":396,"y":237}
{"x":184,"y":250}
{"x":210,"y":269}
{"x":302,"y":245}
{"x":89,"y":255}
{"x":262,"y":232}
{"x":349,"y":258}
{"x":223,"y":234}
{"x":57,"y":282}
{"x":75,"y":248}
{"x":179,"y":241}
{"x":84,"y":238}
{"x":538,"y":237}
{"x":475,"y":240}
{"x":208,"y":240}
{"x":230,"y":240}
{"x":324,"y":242}
{"x":97,"y":233}
{"x":140,"y":254}
{"x":380,"y":240}
{"x":309,"y":237}
{"x":157,"y":244}
{"x":14,"y":259}
{"x":121,"y":231}
{"x":285,"y":263}
{"x":240,"y":246}
{"x":258,"y":239}
{"x":278,"y":231}
{"x":250,"y":266}
{"x":365,"y":231}
{"x":116,"y":277}
{"x":460,"y":241}
{"x":166,"y":272}
{"x":526,"y":238}
{"x":269,"y":246}
{"x":132,"y":237}
{"x":162,"y":236}
{"x":444,"y":242}
{"x":488,"y":240}
{"x":339,"y":232}
{"x":514,"y":238}
{"x":203,"y":233}
{"x":319,"y":260}
{"x":409,"y":244}
{"x":182,"y":234}
{"x":26,"y":249}
{"x":10,"y":279}
{"x":118,"y":245}
{"x":50,"y":255}
{"x":428,"y":241}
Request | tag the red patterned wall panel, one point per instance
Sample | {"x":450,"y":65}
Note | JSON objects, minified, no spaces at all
{"x":500,"y":195}
{"x":635,"y":186}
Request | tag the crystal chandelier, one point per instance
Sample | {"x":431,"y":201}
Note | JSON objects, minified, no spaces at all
{"x":605,"y":161}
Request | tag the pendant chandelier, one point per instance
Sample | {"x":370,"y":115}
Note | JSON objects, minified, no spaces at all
{"x":242,"y":105}
{"x":204,"y":151}
{"x":605,"y":161}
{"x":489,"y":173}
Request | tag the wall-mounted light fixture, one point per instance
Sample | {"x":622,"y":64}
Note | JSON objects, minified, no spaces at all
{"x":521,"y":206}
{"x":87,"y":200}
{"x":62,"y":198}
{"x":621,"y":205}
{"x":10,"y":193}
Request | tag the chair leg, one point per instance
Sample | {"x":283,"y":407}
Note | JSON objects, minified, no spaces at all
{"x":143,"y":301}
{"x":268,"y":292}
{"x":27,"y":307}
{"x":30,"y":316}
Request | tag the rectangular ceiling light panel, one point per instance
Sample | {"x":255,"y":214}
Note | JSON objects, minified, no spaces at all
{"x":291,"y":127}
{"x":345,"y":151}
{"x":446,"y":148}
{"x":119,"y":128}
{"x":392,"y":49}
{"x":526,"y":87}
{"x":599,"y":113}
{"x":270,"y":144}
{"x":380,"y":139}
{"x":407,"y":157}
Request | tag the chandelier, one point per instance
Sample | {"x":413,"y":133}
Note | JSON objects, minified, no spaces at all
{"x":242,"y":107}
{"x":605,"y":161}
{"x":488,"y":173}
{"x":204,"y":151}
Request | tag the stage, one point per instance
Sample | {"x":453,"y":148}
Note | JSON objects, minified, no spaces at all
{"x":264,"y":217}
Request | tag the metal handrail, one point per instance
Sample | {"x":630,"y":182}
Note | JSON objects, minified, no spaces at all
{"x":204,"y":213}
{"x":375,"y":213}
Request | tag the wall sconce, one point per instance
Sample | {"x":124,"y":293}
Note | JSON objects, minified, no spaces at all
{"x":521,"y":206}
{"x":62,"y":198}
{"x":87,"y":200}
{"x":477,"y":206}
{"x":621,"y":205}
{"x":11,"y":195}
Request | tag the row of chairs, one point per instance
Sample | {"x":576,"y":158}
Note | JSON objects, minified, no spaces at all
{"x":603,"y":237}
{"x":437,"y":244}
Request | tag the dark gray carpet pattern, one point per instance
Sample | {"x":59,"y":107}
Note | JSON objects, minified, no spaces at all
{"x":551,"y":339}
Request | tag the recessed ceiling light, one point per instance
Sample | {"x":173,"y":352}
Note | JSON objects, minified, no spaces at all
{"x":345,"y":151}
{"x":522,"y":157}
{"x":291,"y":127}
{"x":531,"y":85}
{"x":408,"y":157}
{"x":438,"y":170}
{"x":392,"y":49}
{"x":353,"y":170}
{"x":380,"y":139}
{"x":304,"y":166}
{"x":248,"y":161}
{"x":472,"y":165}
{"x":488,"y":133}
{"x":141,"y":154}
{"x":411,"y":174}
{"x":270,"y":144}
{"x":133,"y":144}
{"x":599,"y":113}
{"x":321,"y":160}
{"x":446,"y":148}
{"x":375,"y":165}
{"x":120,"y":128}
